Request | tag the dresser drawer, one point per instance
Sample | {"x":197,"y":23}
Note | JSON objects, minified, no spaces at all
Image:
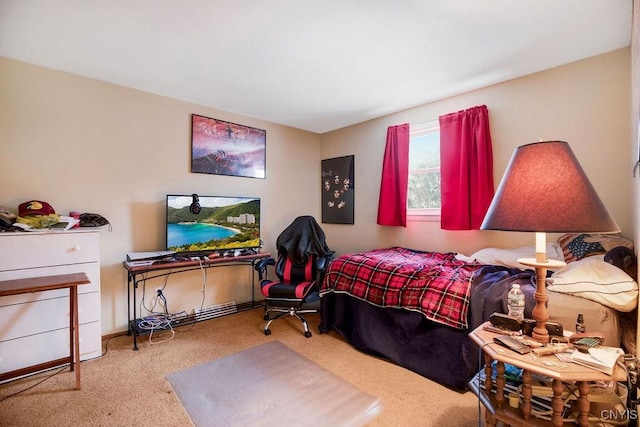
{"x":28,"y":250}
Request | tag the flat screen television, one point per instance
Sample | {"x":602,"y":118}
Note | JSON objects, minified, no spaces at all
{"x":222,"y":224}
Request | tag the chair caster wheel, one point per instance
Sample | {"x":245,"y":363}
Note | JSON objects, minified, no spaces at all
{"x":307,"y":334}
{"x":267,"y":331}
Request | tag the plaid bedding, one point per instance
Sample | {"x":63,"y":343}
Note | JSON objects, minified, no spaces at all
{"x":433,"y":283}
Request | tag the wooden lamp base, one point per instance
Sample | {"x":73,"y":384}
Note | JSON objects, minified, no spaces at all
{"x":540,"y":313}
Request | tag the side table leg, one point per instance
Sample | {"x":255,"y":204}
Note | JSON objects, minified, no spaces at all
{"x":557,"y":403}
{"x":526,"y":394}
{"x":583,"y":403}
{"x":75,"y":360}
{"x":488,"y":375}
{"x":500,"y":382}
{"x":488,"y":386}
{"x":489,"y":419}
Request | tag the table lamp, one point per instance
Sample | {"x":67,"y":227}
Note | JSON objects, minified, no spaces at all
{"x":545,"y":190}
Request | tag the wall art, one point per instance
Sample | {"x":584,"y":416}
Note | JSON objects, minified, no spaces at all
{"x":224,"y":148}
{"x":337,"y":190}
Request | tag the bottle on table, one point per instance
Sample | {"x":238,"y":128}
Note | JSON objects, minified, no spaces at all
{"x":580,"y":324}
{"x":515,"y":302}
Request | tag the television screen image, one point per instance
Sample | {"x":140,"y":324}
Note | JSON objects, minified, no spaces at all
{"x":223,"y":223}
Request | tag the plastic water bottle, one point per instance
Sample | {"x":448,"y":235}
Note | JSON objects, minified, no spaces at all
{"x":515,"y":301}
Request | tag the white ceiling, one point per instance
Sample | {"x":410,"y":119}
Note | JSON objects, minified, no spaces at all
{"x":317,"y":65}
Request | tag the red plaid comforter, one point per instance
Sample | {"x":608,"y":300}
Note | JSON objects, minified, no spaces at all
{"x":433,"y":283}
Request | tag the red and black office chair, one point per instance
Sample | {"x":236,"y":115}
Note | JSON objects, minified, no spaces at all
{"x":302,"y":258}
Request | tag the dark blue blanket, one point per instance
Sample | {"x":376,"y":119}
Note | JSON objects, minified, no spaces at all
{"x":489,"y":290}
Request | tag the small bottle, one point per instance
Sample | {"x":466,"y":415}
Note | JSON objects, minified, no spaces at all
{"x":515,"y":302}
{"x":580,"y":324}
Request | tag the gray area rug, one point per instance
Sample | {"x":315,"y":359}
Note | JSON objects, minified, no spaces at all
{"x":268,"y":385}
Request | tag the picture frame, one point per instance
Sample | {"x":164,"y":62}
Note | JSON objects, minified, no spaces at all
{"x":338,"y":184}
{"x":224,"y":148}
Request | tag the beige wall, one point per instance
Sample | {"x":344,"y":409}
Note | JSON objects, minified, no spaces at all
{"x":85,"y":145}
{"x":585,"y":103}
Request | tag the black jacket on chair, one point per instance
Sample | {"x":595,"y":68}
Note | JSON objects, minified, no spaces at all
{"x":302,"y":238}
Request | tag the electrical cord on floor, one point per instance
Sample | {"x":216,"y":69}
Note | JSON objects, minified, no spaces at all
{"x":164,"y":320}
{"x":106,"y":344}
{"x":160,"y":324}
{"x":163,"y":301}
{"x":156,"y":321}
{"x":153,"y":322}
{"x":204,"y":284}
{"x":155,"y":298}
{"x":176,"y":317}
{"x":2,"y":399}
{"x":158,"y":298}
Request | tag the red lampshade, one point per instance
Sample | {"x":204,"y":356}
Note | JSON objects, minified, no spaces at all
{"x":544,"y":189}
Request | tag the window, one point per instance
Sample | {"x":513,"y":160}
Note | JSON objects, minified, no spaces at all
{"x":423,"y":198}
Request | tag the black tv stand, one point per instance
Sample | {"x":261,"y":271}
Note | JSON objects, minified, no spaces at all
{"x":137,"y":273}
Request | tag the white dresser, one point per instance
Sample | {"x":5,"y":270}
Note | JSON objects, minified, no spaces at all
{"x":34,"y":328}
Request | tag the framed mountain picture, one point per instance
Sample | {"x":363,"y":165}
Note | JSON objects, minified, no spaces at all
{"x":224,"y":148}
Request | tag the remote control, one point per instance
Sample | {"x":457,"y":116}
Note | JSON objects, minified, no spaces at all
{"x":512,"y":344}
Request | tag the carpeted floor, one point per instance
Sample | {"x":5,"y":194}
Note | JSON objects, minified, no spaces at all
{"x":129,"y":388}
{"x":270,"y":384}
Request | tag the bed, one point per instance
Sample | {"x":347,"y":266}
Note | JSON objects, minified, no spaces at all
{"x":416,"y":308}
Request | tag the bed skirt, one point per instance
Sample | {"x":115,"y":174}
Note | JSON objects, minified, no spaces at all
{"x":440,"y":353}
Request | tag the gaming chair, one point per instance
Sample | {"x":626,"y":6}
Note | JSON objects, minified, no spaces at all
{"x":302,"y":259}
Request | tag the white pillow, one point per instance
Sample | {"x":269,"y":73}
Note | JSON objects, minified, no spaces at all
{"x":593,"y":278}
{"x":509,"y":257}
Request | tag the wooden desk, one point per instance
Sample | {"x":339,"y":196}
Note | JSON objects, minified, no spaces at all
{"x":140,"y":273}
{"x":50,"y":283}
{"x":562,"y":374}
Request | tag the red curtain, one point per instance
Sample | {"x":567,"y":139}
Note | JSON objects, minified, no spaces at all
{"x":392,"y":205}
{"x":466,"y":168}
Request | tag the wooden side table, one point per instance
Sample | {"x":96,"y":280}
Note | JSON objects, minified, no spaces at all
{"x":50,"y":283}
{"x":564,"y":376}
